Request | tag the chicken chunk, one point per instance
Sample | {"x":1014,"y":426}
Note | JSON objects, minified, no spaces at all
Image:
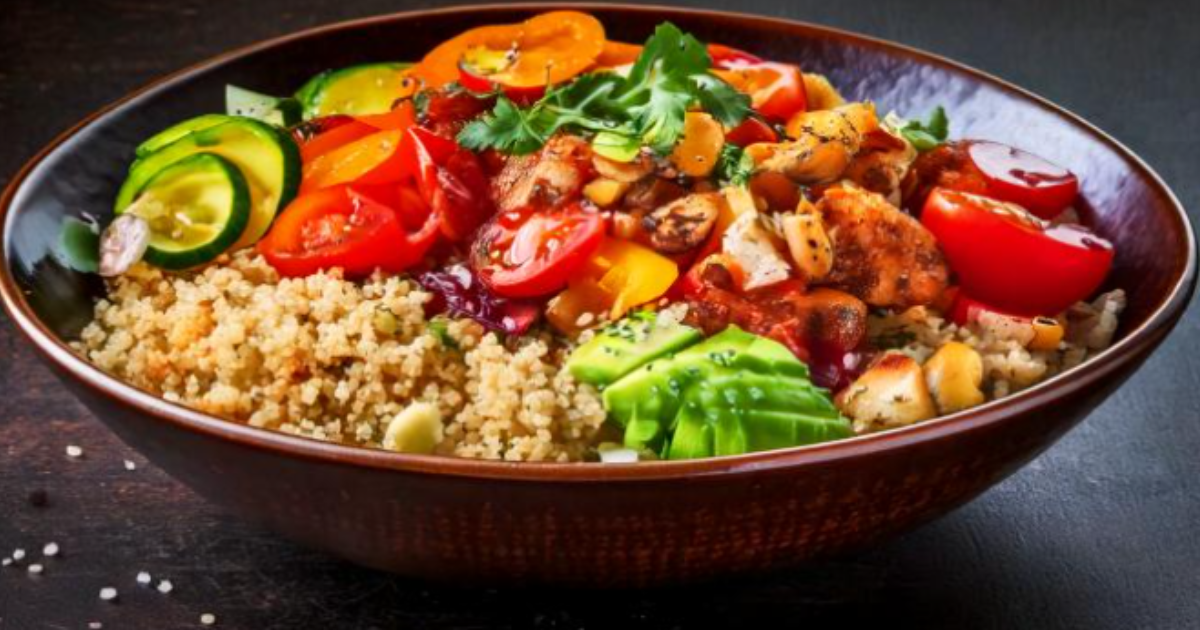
{"x":684,"y":223}
{"x":881,"y":255}
{"x":882,"y":164}
{"x":551,"y":177}
{"x":822,"y":145}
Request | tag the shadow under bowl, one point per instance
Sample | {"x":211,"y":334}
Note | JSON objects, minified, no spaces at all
{"x":596,"y":525}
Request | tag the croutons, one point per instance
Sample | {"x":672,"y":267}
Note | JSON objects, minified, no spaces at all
{"x":684,"y":223}
{"x":809,"y":245}
{"x":954,"y":375}
{"x":891,"y":394}
{"x":822,"y":144}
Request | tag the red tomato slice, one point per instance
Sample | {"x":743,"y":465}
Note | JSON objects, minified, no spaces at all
{"x":333,"y":136}
{"x":344,"y":227}
{"x":451,"y":180}
{"x":531,"y":254}
{"x":751,"y":130}
{"x":1038,"y":185}
{"x":728,"y":58}
{"x":776,"y":90}
{"x":1008,"y":258}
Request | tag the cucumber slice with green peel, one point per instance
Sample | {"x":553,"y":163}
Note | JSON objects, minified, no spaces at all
{"x":196,"y":207}
{"x":355,"y":91}
{"x":266,"y":156}
{"x":177,"y":131}
{"x":281,"y":112}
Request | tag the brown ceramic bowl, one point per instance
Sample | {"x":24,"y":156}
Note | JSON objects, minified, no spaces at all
{"x":591,"y":524}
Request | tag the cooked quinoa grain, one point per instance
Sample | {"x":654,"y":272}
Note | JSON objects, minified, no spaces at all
{"x":336,"y":360}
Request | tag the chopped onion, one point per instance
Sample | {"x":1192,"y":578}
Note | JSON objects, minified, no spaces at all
{"x":122,"y":244}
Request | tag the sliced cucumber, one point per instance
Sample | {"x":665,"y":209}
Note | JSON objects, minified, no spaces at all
{"x":281,"y":112}
{"x":356,"y":91}
{"x":197,"y":207}
{"x":177,"y":131}
{"x":266,"y":156}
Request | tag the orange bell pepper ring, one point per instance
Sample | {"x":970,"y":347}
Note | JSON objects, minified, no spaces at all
{"x":545,"y":49}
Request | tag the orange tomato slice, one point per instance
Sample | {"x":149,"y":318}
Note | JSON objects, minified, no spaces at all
{"x":545,"y":49}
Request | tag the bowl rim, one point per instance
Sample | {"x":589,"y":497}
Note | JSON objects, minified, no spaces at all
{"x":1125,"y":350}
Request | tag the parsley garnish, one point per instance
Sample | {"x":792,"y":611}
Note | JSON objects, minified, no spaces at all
{"x":734,"y":166}
{"x":928,"y":135}
{"x":646,"y":108}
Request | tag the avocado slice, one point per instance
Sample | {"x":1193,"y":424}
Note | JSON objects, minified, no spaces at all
{"x":627,"y":345}
{"x":733,"y":393}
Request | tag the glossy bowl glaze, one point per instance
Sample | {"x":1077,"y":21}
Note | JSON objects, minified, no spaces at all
{"x":591,"y":524}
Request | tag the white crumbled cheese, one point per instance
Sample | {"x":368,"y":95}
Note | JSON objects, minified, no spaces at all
{"x":208,"y":619}
{"x":108,"y":593}
{"x":143,"y":578}
{"x":752,"y":246}
{"x":50,"y":550}
{"x":165,"y":586}
{"x":74,"y":451}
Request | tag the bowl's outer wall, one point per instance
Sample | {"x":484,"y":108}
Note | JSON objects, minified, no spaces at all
{"x":623,"y":532}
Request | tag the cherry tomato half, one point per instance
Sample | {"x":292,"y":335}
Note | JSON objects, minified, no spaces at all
{"x":728,"y":57}
{"x":776,"y":90}
{"x":347,"y":227}
{"x":529,"y":253}
{"x":750,"y":131}
{"x":1009,"y":258}
{"x":1036,"y":184}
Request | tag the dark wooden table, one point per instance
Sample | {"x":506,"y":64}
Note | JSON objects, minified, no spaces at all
{"x":1101,"y":532}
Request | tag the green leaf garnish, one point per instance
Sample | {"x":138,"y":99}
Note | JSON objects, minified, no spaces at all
{"x":734,"y":165}
{"x":927,"y":135}
{"x":646,"y":108}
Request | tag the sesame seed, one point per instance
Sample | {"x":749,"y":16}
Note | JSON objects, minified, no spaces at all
{"x":165,"y":586}
{"x":129,"y":465}
{"x":35,"y":569}
{"x":50,"y":550}
{"x":108,"y":593}
{"x":74,"y":451}
{"x":18,"y":554}
{"x":143,"y":578}
{"x":95,"y":625}
{"x":208,"y":619}
{"x":5,"y":562}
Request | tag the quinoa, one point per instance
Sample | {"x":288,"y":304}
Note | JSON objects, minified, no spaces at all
{"x":337,"y":360}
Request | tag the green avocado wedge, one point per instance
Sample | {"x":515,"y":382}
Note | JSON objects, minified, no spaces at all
{"x":196,"y":208}
{"x":267,"y":158}
{"x":354,"y":91}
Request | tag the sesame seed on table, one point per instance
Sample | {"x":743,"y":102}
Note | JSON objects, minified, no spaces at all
{"x":1096,"y":533}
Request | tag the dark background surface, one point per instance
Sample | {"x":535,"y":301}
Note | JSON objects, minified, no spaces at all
{"x":1100,"y":532}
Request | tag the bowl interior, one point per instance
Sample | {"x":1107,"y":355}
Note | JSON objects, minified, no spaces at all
{"x":1124,"y":200}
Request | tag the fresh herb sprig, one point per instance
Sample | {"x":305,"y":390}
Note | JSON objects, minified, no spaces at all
{"x":927,"y":135}
{"x":646,"y":108}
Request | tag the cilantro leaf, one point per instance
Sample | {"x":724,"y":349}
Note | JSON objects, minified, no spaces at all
{"x":734,"y":165}
{"x":928,"y":135}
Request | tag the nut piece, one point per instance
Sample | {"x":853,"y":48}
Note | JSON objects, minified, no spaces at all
{"x":417,"y":429}
{"x":684,"y":223}
{"x":697,"y":152}
{"x":891,"y":394}
{"x":955,"y":374}
{"x":807,"y":241}
{"x":605,"y":192}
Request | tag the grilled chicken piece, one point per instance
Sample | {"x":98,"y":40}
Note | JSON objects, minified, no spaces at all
{"x":881,"y":164}
{"x":684,"y":223}
{"x":823,"y":144}
{"x":882,"y":255}
{"x":551,"y":177}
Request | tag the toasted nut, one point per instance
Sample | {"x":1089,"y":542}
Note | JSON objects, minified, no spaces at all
{"x":807,"y":241}
{"x":683,"y":223}
{"x":627,"y":172}
{"x":605,"y":192}
{"x":891,"y":394}
{"x":697,"y":152}
{"x":1047,"y":334}
{"x":955,"y":374}
{"x":417,"y":429}
{"x":820,"y":92}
